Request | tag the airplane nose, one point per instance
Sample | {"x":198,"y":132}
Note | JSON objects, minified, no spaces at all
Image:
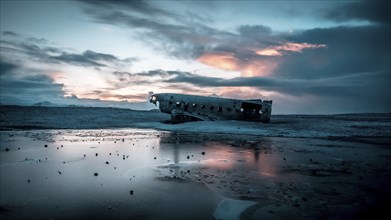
{"x":153,"y":99}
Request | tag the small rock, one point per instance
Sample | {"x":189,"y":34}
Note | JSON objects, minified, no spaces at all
{"x":123,"y":140}
{"x":188,"y":171}
{"x":188,"y":157}
{"x":107,"y":162}
{"x":203,"y":153}
{"x":96,"y":154}
{"x":115,"y":168}
{"x":84,"y":155}
{"x":310,"y":159}
{"x":18,"y":148}
{"x":63,"y":162}
{"x":58,"y":148}
{"x":59,"y":172}
{"x":95,"y":174}
{"x":131,"y":192}
{"x":46,"y":145}
{"x":284,"y":158}
{"x":28,"y":180}
{"x":154,"y":158}
{"x":62,"y":146}
{"x":109,"y":153}
{"x":7,"y":149}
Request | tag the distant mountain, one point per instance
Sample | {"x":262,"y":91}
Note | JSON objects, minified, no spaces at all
{"x":46,"y":104}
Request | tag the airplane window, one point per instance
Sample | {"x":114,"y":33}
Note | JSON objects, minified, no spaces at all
{"x":220,"y":109}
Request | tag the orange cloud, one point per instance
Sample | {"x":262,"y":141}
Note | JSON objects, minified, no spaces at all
{"x":224,"y":61}
{"x":248,"y":68}
{"x":243,"y":93}
{"x":294,"y":47}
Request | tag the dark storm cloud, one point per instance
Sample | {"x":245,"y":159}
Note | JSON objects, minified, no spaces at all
{"x":254,"y":30}
{"x":10,"y":33}
{"x":6,"y":67}
{"x":28,"y":89}
{"x":341,"y":85}
{"x":132,"y":5}
{"x":49,"y":54}
{"x":373,"y":11}
{"x":349,"y":50}
{"x":175,"y":34}
{"x":87,"y":58}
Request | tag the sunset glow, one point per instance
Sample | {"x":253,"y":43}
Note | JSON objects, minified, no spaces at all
{"x":289,"y":46}
{"x":114,"y":53}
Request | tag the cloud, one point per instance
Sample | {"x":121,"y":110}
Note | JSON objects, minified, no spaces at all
{"x":28,"y":89}
{"x":39,"y":52}
{"x":349,"y":50}
{"x":288,"y":46}
{"x":348,"y":85}
{"x":10,"y":33}
{"x":373,"y":11}
{"x":243,"y":51}
{"x":140,"y":6}
{"x":6,"y":67}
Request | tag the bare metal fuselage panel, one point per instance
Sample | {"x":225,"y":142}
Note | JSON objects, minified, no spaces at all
{"x":200,"y":108}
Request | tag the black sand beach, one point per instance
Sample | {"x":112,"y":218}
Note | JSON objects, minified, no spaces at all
{"x":122,"y":164}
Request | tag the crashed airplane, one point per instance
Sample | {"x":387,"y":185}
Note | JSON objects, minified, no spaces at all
{"x":185,"y":108}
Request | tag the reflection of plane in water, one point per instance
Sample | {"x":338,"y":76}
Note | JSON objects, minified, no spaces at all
{"x":185,"y":108}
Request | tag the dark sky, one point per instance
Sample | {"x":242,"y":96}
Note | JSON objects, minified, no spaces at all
{"x":312,"y":57}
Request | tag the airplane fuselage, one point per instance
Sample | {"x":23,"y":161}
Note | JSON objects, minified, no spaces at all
{"x":195,"y":108}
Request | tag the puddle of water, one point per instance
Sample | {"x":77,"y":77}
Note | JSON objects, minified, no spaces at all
{"x":161,"y":175}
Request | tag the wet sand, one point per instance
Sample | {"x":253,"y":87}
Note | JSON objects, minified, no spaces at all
{"x":150,"y":174}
